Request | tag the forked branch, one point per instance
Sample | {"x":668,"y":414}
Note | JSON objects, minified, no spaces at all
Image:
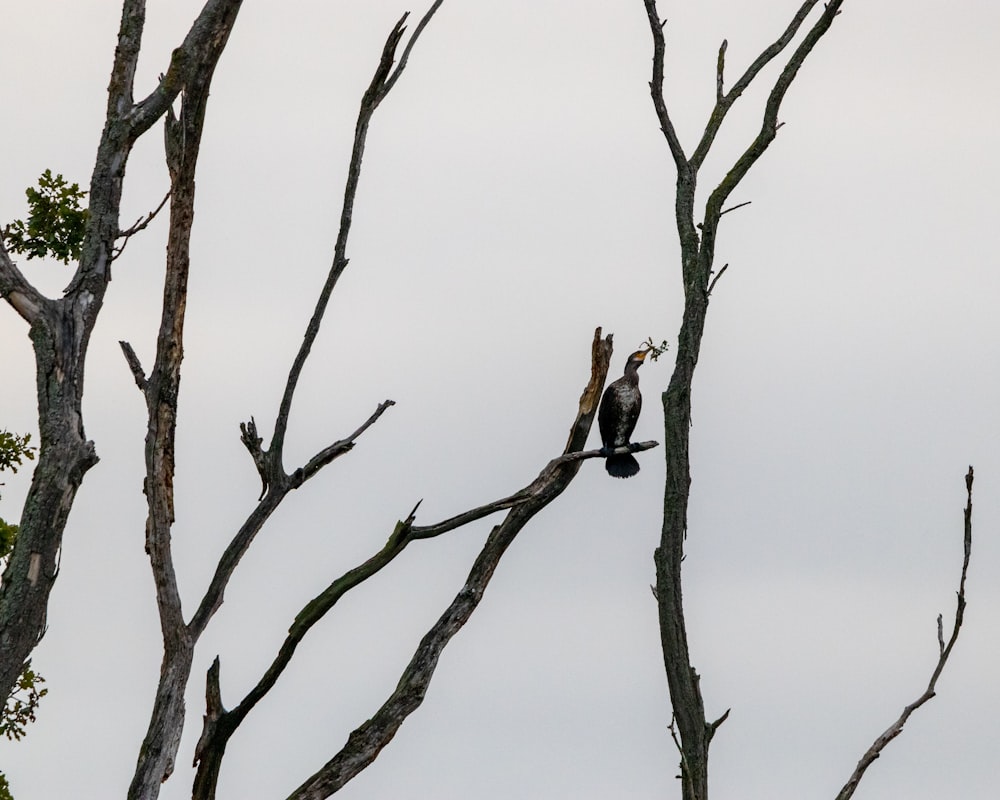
{"x":276,"y":483}
{"x":382,"y":82}
{"x":944,"y":652}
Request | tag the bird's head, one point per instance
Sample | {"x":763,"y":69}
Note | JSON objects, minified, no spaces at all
{"x":639,"y":356}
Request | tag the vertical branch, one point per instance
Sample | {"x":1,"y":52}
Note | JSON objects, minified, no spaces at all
{"x":182,"y":141}
{"x":694,"y":731}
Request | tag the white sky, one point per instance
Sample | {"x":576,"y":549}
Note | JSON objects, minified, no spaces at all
{"x":516,"y":194}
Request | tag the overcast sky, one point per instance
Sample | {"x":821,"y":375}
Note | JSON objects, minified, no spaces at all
{"x":516,"y":194}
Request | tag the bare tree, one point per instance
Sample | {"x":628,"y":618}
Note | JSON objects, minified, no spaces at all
{"x":691,"y":729}
{"x":60,"y":331}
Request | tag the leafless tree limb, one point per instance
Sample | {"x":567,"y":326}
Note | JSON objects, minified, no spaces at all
{"x":365,"y":743}
{"x":276,"y":482}
{"x":382,"y":82}
{"x":724,"y":101}
{"x":182,"y":141}
{"x":141,"y":224}
{"x":134,"y":365}
{"x":220,"y":724}
{"x":697,"y":243}
{"x":944,"y":652}
{"x":715,"y":280}
{"x":338,"y":448}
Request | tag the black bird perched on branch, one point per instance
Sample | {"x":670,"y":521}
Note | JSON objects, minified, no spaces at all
{"x":619,"y":411}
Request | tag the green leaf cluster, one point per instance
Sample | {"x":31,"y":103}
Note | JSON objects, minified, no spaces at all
{"x":14,"y":448}
{"x":20,"y":707}
{"x":56,"y":221}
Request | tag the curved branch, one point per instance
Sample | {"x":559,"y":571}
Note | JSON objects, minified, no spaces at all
{"x":944,"y":652}
{"x":363,"y":747}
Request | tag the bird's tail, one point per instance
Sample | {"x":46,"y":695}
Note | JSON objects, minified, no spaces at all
{"x":623,"y":466}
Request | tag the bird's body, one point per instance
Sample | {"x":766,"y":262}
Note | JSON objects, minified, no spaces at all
{"x":618,"y":414}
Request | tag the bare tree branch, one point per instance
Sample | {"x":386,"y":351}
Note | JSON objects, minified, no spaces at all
{"x":656,"y":89}
{"x":391,"y":80}
{"x":430,"y":531}
{"x":141,"y":224}
{"x":182,"y":141}
{"x":276,"y":482}
{"x":715,"y":280}
{"x":367,"y":741}
{"x":769,"y":123}
{"x":382,"y":82}
{"x":337,"y":449}
{"x":220,"y":725}
{"x":725,"y":101}
{"x":269,"y":501}
{"x":24,"y":298}
{"x":134,"y":365}
{"x":210,"y":28}
{"x":697,"y":257}
{"x":944,"y":652}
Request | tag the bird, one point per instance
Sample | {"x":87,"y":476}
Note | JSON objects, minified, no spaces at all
{"x":617,"y":415}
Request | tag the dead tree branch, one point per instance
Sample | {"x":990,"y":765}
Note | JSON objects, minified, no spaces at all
{"x":367,"y":741}
{"x":182,"y":141}
{"x":134,"y":365}
{"x":270,"y":462}
{"x":220,"y":724}
{"x":697,"y":241}
{"x":381,"y":84}
{"x":944,"y":652}
{"x":140,"y":225}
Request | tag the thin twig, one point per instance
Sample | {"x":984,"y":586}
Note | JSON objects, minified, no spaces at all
{"x":140,"y":225}
{"x":716,"y":279}
{"x":733,"y":208}
{"x":338,"y":448}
